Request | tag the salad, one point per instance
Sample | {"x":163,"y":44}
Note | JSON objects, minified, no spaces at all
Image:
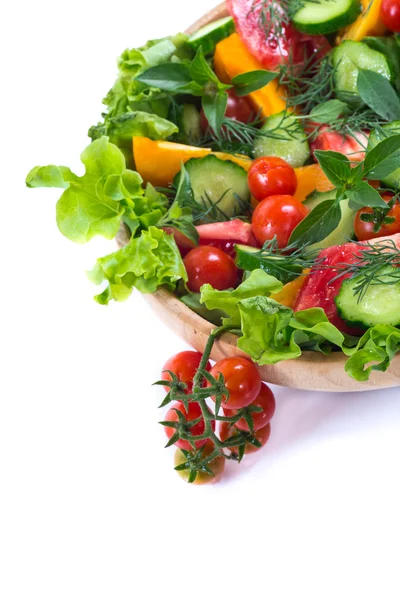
{"x":253,"y":168}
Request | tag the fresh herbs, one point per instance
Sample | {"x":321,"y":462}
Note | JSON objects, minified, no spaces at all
{"x":377,"y":93}
{"x":379,"y":162}
{"x":198,"y":79}
{"x":285,"y":264}
{"x":369,"y":266}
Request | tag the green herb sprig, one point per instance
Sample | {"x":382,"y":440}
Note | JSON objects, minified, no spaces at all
{"x":350,"y":183}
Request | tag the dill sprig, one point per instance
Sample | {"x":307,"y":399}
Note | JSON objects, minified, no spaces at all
{"x":309,"y":83}
{"x":283,"y":263}
{"x":370,"y":266}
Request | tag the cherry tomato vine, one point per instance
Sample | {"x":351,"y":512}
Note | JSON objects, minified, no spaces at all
{"x":190,"y":422}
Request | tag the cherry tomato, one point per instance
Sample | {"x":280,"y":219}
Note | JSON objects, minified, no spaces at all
{"x":206,"y":264}
{"x":265,"y":400}
{"x":216,"y":465}
{"x":390,"y":14}
{"x":277,"y":216}
{"x":242,"y":380}
{"x":270,"y":176}
{"x":262,"y":435}
{"x":238,"y":109}
{"x":364,"y":230}
{"x":194,"y":413}
{"x":184,"y":365}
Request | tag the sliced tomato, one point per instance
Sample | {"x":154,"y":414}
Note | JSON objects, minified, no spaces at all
{"x":272,"y":48}
{"x":320,"y":288}
{"x":353,"y":146}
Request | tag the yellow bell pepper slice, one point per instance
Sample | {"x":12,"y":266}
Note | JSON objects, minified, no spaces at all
{"x":309,"y":179}
{"x":288,"y":294}
{"x":368,"y":23}
{"x":232,"y":58}
{"x":158,"y":162}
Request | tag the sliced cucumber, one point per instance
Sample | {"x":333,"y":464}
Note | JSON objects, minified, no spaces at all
{"x":390,"y":47}
{"x":325,"y":16}
{"x":219,"y":185}
{"x":380,"y":304}
{"x":344,"y":231}
{"x":347,"y":59}
{"x":392,"y":180}
{"x":289,"y":141}
{"x":190,"y":123}
{"x":208,"y":36}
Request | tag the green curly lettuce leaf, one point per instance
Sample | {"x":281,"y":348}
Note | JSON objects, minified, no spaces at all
{"x":378,"y":345}
{"x":108,"y":192}
{"x":257,"y":284}
{"x":146,"y":263}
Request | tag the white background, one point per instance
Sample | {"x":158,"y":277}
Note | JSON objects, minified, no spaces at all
{"x":90,"y":507}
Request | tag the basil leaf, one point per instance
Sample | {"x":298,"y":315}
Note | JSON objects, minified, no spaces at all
{"x":184,"y":193}
{"x":364,"y":194}
{"x":201,"y":71}
{"x":336,"y":166}
{"x":377,"y":93}
{"x":329,"y":111}
{"x":318,"y":224}
{"x":382,"y":160}
{"x":214,"y":110}
{"x":170,"y":77}
{"x":252,"y":81}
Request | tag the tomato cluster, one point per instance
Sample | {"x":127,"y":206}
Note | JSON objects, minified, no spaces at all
{"x":247,"y":407}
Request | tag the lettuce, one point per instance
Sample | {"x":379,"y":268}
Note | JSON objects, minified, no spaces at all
{"x":271,"y":332}
{"x":258,"y":283}
{"x":95,"y":203}
{"x":147,"y":262}
{"x":378,"y":345}
{"x":121,"y":129}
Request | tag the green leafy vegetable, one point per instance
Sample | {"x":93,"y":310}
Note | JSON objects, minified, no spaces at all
{"x":318,"y":224}
{"x":249,"y":82}
{"x":383,"y":159}
{"x":147,"y":262}
{"x":258,"y":283}
{"x":377,"y":93}
{"x":364,"y":194}
{"x":378,"y":345}
{"x":328,"y":112}
{"x":336,"y":166}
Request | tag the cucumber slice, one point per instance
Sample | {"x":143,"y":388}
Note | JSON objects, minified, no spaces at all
{"x":290,"y":141}
{"x":344,"y":231}
{"x":392,"y":180}
{"x":208,"y":36}
{"x":190,"y":124}
{"x":219,"y":185}
{"x":347,"y":59}
{"x":325,"y":16}
{"x":380,"y":304}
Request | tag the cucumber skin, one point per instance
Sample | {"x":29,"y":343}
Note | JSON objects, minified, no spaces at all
{"x":352,"y":97}
{"x":212,"y":36}
{"x":331,"y":25}
{"x":358,"y":323}
{"x":273,"y":147}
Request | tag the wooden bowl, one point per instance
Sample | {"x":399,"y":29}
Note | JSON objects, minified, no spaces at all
{"x":312,"y":371}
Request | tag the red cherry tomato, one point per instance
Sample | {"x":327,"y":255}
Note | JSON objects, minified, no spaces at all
{"x":277,"y":216}
{"x":390,"y":14}
{"x":198,"y":429}
{"x":364,"y":230}
{"x":270,"y":176}
{"x":216,"y":465}
{"x":206,"y":264}
{"x":265,"y":400}
{"x":262,"y":435}
{"x":242,"y":380}
{"x":238,"y":109}
{"x":184,"y":365}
